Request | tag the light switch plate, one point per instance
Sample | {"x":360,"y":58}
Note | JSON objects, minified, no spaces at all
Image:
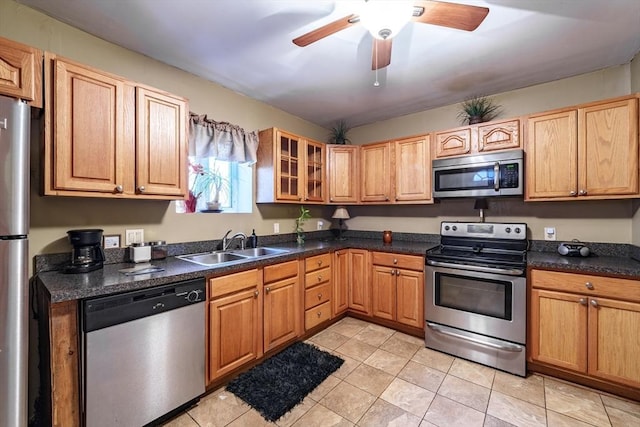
{"x":133,"y":236}
{"x":320,"y":225}
{"x":276,"y":227}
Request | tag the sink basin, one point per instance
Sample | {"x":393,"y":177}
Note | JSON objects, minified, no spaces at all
{"x":260,"y":252}
{"x":225,"y":257}
{"x":213,"y":258}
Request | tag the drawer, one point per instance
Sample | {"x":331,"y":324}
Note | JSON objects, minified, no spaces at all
{"x":409,"y":262}
{"x":316,"y":277}
{"x":608,"y":287}
{"x":280,"y":271}
{"x":316,"y":262}
{"x":232,"y":283}
{"x":317,"y":295}
{"x":315,"y":316}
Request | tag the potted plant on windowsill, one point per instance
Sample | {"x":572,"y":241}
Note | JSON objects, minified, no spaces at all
{"x":209,"y":181}
{"x":478,"y":109}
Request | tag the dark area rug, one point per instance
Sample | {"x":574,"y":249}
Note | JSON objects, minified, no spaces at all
{"x":279,"y":383}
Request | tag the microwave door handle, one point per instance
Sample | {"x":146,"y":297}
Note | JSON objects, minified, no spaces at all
{"x":496,"y":176}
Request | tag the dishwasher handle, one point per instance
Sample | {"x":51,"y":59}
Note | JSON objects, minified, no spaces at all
{"x":102,"y":312}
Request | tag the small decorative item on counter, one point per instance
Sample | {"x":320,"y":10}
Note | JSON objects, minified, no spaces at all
{"x":253,"y":240}
{"x":158,"y":249}
{"x":140,"y":252}
{"x":387,"y":237}
{"x":304,"y":215}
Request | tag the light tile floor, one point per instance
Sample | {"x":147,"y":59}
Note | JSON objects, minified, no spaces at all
{"x":391,"y":379}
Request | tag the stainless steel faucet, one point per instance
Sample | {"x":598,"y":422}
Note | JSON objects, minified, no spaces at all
{"x":226,"y":242}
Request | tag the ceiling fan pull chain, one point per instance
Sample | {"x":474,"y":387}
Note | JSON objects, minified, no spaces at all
{"x":375,"y":46}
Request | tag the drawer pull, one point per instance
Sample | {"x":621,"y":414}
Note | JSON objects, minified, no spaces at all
{"x":319,"y":296}
{"x":319,"y":278}
{"x":320,"y":262}
{"x":319,"y":313}
{"x":395,"y":261}
{"x":583,"y":301}
{"x":589,"y":285}
{"x":594,"y":303}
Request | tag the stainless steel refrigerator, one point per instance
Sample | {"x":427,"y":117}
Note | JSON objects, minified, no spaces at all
{"x":14,"y":226}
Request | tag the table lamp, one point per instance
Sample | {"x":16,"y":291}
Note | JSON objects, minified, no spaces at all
{"x":341,"y":214}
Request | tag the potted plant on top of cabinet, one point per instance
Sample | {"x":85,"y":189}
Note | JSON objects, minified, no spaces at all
{"x":338,"y":133}
{"x":478,"y":109}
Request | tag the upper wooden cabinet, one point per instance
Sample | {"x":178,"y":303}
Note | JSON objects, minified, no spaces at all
{"x":107,"y":137}
{"x":589,"y":152}
{"x":396,"y":171}
{"x":376,"y":177}
{"x":290,"y":169}
{"x":343,"y":173}
{"x":413,"y":169}
{"x":480,"y":138}
{"x":21,"y":72}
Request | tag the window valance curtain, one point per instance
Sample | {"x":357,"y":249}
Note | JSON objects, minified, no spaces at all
{"x":222,"y":140}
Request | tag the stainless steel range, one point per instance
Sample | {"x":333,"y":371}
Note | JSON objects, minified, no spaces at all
{"x":475,"y":294}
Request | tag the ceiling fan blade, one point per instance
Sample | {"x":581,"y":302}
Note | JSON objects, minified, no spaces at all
{"x":381,"y":53}
{"x":452,"y":15}
{"x":326,"y":30}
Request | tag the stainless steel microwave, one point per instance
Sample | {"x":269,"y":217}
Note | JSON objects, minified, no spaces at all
{"x":485,"y":175}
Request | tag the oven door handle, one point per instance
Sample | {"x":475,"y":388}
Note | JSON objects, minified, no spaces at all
{"x":506,"y":347}
{"x":507,"y":271}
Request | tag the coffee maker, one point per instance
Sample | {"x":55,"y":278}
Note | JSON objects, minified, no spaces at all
{"x":86,"y":251}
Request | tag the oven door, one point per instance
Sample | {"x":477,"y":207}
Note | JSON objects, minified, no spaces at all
{"x":489,"y":304}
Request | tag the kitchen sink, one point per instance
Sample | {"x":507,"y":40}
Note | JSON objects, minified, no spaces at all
{"x":212,"y":258}
{"x":259,"y":252}
{"x":227,"y":257}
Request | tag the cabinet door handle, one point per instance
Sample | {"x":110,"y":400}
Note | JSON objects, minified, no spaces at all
{"x":594,"y":303}
{"x":386,"y":199}
{"x":255,"y":294}
{"x":583,"y":301}
{"x":572,"y":193}
{"x":397,"y":272}
{"x":588,"y":285}
{"x":141,"y":189}
{"x":267,"y":290}
{"x":119,"y":189}
{"x":582,"y":192}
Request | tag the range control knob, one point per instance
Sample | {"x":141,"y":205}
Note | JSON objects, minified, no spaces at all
{"x":518,"y":230}
{"x":193,"y":296}
{"x":454,"y":228}
{"x":508,"y":229}
{"x":446,"y":227}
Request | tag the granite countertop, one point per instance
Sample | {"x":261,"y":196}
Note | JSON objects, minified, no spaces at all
{"x":604,"y":265}
{"x":108,"y":280}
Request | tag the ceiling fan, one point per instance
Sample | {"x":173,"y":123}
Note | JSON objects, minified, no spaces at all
{"x":385,"y":18}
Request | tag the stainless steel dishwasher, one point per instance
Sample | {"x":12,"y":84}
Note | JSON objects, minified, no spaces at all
{"x":143,"y":353}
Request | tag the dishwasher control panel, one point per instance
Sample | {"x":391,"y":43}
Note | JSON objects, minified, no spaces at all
{"x":101,"y":312}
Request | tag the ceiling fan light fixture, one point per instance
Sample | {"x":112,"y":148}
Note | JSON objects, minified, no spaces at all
{"x":385,"y":18}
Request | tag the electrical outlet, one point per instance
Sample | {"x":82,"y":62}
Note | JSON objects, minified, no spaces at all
{"x":320,"y":224}
{"x":549,"y":233}
{"x":133,"y":236}
{"x":276,"y":227}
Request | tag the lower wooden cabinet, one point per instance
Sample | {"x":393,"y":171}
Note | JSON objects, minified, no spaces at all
{"x":235,"y":322}
{"x":340,"y":299}
{"x":586,"y":324}
{"x":358,"y":281}
{"x":318,"y":289}
{"x":281,"y":292}
{"x":397,"y":288}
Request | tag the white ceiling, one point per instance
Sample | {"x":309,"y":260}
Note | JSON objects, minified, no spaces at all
{"x":245,"y":45}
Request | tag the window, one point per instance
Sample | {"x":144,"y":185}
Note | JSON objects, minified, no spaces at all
{"x":211,"y":180}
